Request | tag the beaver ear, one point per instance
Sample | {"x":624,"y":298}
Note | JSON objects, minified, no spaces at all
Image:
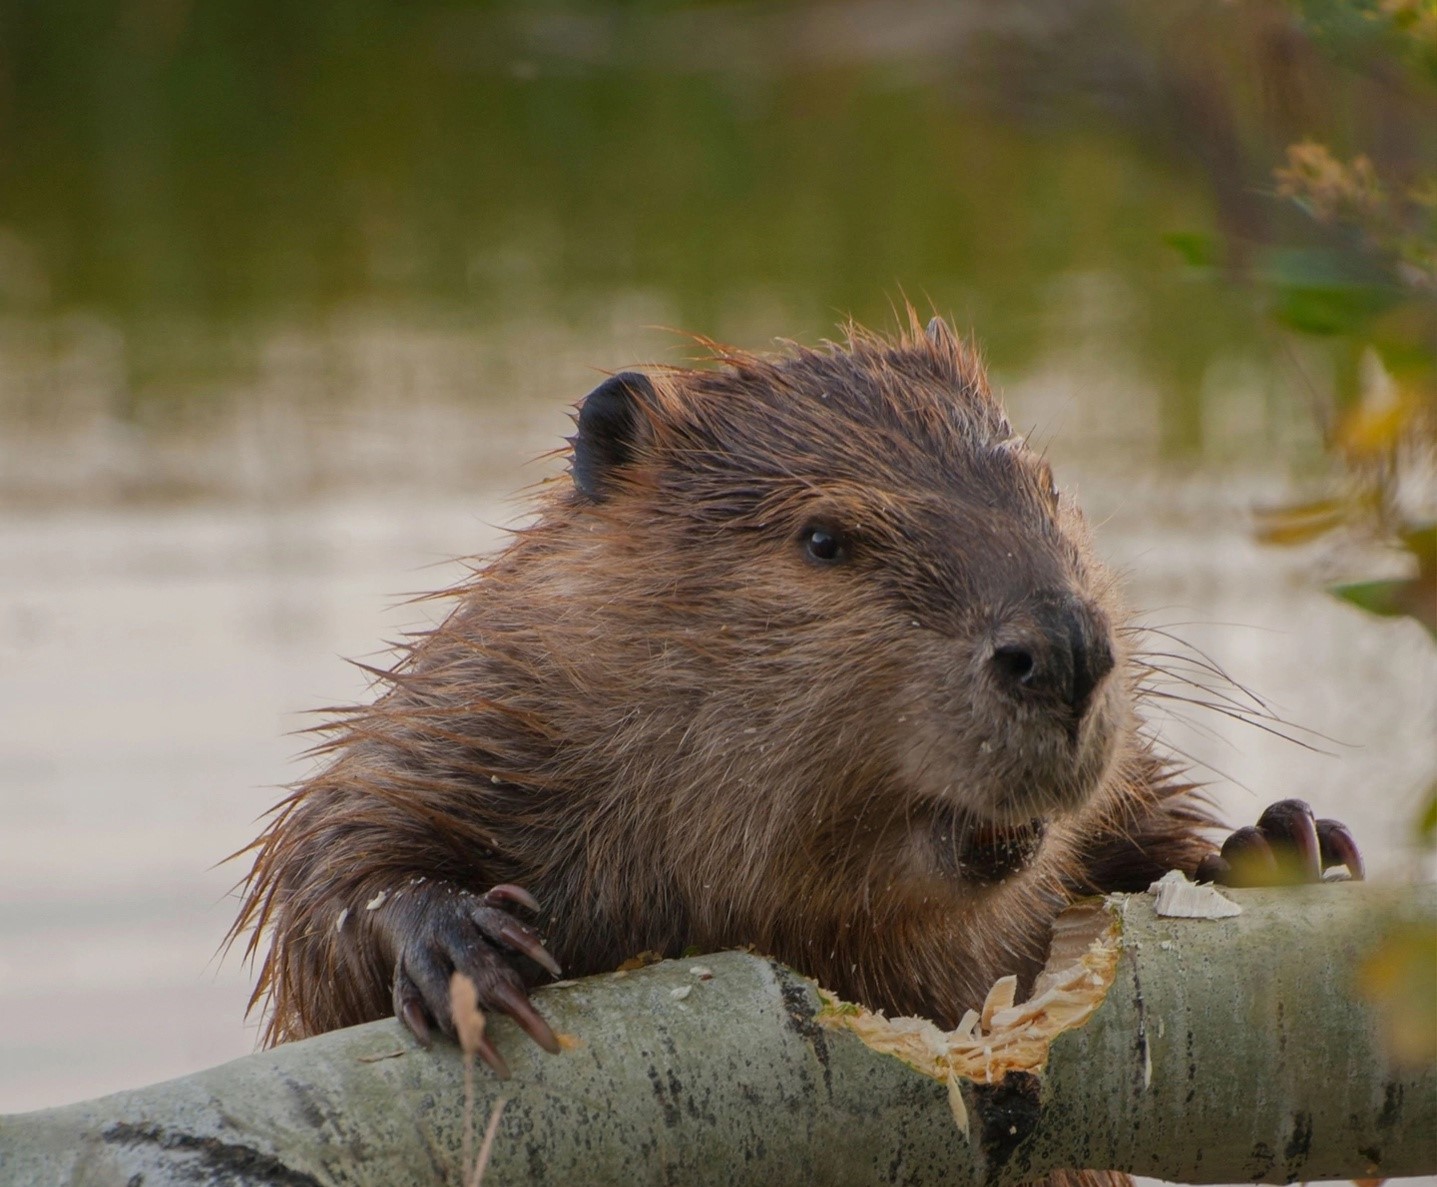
{"x":611,"y":425}
{"x":938,"y":332}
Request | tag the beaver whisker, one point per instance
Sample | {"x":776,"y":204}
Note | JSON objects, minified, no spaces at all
{"x":1182,"y":663}
{"x":1163,"y":677}
{"x":1191,"y":651}
{"x":1254,"y":720}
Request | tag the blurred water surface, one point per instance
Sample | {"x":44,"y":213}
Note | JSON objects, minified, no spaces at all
{"x":290,"y":295}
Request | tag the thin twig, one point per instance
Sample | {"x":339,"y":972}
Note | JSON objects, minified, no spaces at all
{"x":487,"y":1148}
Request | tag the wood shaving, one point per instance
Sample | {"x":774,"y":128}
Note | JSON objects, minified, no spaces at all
{"x":999,"y":1000}
{"x":468,"y":1018}
{"x":1006,"y":1036}
{"x":1177,"y":898}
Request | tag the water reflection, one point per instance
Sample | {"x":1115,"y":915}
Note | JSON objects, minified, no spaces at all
{"x":199,"y":178}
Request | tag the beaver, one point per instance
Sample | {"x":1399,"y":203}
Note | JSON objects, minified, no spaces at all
{"x":808,"y":653}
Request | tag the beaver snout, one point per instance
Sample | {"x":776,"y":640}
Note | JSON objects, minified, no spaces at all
{"x":1059,"y":647}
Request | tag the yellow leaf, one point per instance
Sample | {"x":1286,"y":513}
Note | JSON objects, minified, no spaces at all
{"x":1400,"y":980}
{"x":1298,"y":523}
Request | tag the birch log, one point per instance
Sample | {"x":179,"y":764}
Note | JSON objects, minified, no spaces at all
{"x":1218,"y":1050}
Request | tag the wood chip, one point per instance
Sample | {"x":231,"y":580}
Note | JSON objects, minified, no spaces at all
{"x":1000,"y":997}
{"x":1177,"y":898}
{"x":468,"y":1018}
{"x":1005,"y":1036}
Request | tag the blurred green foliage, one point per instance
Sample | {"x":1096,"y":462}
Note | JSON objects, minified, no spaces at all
{"x":1372,"y":289}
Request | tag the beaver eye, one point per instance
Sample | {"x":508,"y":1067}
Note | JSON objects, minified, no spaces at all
{"x":823,"y":546}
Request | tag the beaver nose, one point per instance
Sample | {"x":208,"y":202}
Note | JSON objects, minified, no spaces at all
{"x":1061,"y":649}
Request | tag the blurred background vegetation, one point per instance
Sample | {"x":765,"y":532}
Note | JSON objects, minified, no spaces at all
{"x":189,"y":176}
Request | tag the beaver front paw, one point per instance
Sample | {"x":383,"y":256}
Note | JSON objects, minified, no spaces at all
{"x":459,"y":932}
{"x":1289,"y":846}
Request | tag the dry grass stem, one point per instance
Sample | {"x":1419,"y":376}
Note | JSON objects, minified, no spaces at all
{"x":487,"y":1146}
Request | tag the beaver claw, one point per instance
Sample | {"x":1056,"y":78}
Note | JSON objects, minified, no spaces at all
{"x":1288,"y":846}
{"x":456,"y":931}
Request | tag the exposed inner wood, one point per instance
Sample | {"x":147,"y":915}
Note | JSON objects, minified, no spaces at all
{"x":1003,"y":1036}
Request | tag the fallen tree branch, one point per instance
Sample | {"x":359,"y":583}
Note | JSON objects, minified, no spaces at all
{"x":1214,"y":1051}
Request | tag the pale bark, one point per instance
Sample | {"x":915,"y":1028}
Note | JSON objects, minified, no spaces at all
{"x":1223,"y":1051}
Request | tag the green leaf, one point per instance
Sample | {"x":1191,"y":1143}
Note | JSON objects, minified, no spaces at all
{"x":1427,"y":822}
{"x":1403,"y":598}
{"x":1421,"y":542}
{"x":1198,"y":249}
{"x":1319,"y":291}
{"x":1376,"y":597}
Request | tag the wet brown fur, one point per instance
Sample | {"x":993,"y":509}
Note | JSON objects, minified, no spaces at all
{"x":654,"y":715}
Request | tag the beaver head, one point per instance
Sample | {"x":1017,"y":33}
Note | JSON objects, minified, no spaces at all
{"x":832,"y":601}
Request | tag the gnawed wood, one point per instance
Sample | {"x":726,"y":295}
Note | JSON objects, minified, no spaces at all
{"x":1220,"y":1051}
